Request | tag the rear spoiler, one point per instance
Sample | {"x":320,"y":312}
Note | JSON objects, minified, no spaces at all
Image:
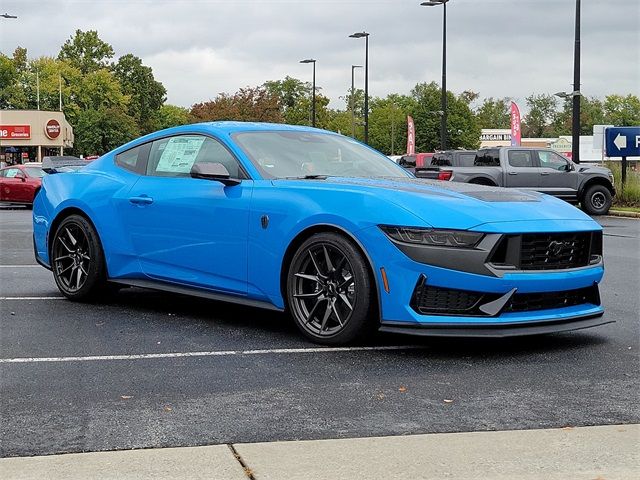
{"x":64,"y":163}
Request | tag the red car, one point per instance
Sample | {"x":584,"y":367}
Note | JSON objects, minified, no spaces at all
{"x":20,"y":183}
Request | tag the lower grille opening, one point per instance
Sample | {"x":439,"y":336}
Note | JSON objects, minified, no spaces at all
{"x":431,"y":300}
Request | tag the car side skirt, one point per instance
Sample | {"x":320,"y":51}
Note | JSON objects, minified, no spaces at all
{"x":502,"y":330}
{"x":195,"y":292}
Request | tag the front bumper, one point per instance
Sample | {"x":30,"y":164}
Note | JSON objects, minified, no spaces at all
{"x":398,"y":312}
{"x":499,"y":330}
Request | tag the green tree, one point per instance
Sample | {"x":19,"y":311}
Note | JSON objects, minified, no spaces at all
{"x":622,"y":111}
{"x":100,"y":130}
{"x":247,"y":104}
{"x":387,"y":126}
{"x":86,"y":51}
{"x":462,"y":128}
{"x":172,"y":116}
{"x":494,"y":113}
{"x":591,"y":113}
{"x":541,"y":117}
{"x":146,"y":94}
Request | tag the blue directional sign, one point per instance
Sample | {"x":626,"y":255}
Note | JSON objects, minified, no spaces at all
{"x":622,"y":141}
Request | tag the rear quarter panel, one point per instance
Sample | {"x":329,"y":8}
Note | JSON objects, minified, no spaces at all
{"x":98,"y":194}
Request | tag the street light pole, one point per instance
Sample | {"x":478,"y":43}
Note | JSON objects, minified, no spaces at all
{"x":575,"y":114}
{"x":365,"y":35}
{"x":443,"y":101}
{"x":351,"y":105}
{"x":313,"y":96}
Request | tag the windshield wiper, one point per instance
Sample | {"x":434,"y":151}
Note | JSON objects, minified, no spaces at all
{"x":307,"y":177}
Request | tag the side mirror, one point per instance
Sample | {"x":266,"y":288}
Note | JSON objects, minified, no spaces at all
{"x":569,"y":167}
{"x":21,"y":176}
{"x":213,"y":171}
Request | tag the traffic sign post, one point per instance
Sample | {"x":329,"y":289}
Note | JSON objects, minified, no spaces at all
{"x":623,"y":142}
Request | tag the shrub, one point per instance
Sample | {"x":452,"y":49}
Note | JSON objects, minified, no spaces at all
{"x":629,"y":195}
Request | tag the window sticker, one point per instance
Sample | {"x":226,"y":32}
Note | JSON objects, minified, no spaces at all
{"x":179,"y":154}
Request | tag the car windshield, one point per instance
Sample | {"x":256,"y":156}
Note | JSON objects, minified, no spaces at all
{"x":35,"y":172}
{"x":286,"y":154}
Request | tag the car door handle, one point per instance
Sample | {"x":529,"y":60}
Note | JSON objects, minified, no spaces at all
{"x":141,"y":200}
{"x":545,"y":173}
{"x":513,"y":173}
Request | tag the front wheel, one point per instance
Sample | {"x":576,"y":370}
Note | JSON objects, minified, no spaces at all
{"x":597,"y":200}
{"x":77,"y":259}
{"x":329,"y":290}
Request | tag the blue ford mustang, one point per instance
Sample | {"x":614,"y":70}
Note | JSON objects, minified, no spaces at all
{"x":301,"y":219}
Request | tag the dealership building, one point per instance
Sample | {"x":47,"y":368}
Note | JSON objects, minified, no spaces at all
{"x":29,"y":135}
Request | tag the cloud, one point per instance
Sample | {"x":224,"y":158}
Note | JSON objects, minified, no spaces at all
{"x":498,"y":48}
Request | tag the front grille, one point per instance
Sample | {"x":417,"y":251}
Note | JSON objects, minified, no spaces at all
{"x":547,"y":251}
{"x":431,"y":300}
{"x":525,"y":302}
{"x":551,"y":251}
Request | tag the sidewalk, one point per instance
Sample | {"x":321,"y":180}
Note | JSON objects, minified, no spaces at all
{"x":590,"y":453}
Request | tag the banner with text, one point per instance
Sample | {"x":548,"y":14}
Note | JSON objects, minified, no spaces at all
{"x":515,"y":125}
{"x":411,"y":136}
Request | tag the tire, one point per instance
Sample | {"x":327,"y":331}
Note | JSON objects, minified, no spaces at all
{"x":329,"y":290}
{"x":597,"y":200}
{"x":77,"y":259}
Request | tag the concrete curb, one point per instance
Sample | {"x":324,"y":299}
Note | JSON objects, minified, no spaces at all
{"x":611,"y":452}
{"x":622,"y":213}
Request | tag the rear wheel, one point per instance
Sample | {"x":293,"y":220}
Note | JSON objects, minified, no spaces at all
{"x":597,"y":200}
{"x":77,"y":259}
{"x":329,"y":290}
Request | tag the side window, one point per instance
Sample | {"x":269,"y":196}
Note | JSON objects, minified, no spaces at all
{"x":520,"y":158}
{"x":408,"y":161}
{"x":11,"y":172}
{"x":132,"y":159}
{"x":442,"y":160}
{"x":552,"y":160}
{"x":487,"y":158}
{"x":174,"y":156}
{"x":467,"y":159}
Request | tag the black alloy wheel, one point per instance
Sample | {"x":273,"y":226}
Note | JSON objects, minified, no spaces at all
{"x":597,"y":200}
{"x":77,"y":260}
{"x":329,"y":290}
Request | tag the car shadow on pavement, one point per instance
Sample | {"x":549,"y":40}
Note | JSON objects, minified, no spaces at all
{"x":175,"y":307}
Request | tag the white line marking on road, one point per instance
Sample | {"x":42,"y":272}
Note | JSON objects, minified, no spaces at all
{"x":21,"y":266}
{"x":219,"y":353}
{"x":32,"y":298}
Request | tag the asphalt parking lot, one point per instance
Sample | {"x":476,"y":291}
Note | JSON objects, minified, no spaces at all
{"x":147,"y":369}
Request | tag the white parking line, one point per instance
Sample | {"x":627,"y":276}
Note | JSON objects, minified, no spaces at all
{"x":21,"y":266}
{"x":219,"y":353}
{"x":32,"y":298}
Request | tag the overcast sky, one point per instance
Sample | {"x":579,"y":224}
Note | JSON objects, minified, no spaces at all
{"x":198,"y":48}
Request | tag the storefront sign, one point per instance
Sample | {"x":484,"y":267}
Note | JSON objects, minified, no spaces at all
{"x":52,"y":129}
{"x":561,"y":145}
{"x":15,"y":132}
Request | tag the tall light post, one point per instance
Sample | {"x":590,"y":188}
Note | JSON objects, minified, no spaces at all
{"x":351,"y":105}
{"x":443,"y":118}
{"x":365,"y":35}
{"x":575,"y":114}
{"x":313,"y":96}
{"x":6,"y":15}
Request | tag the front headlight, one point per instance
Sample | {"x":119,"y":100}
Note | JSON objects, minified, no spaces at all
{"x":431,"y":237}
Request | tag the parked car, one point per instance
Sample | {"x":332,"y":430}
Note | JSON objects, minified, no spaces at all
{"x":228,"y":211}
{"x":539,"y":169}
{"x":415,"y":161}
{"x":19,"y":184}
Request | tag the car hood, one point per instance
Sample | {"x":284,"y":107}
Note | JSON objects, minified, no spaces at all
{"x":593,"y":169}
{"x":457,"y":205}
